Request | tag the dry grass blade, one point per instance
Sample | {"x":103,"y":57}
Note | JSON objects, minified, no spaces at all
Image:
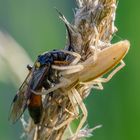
{"x":10,"y":51}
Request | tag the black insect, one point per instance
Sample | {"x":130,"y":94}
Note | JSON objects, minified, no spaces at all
{"x":36,"y":80}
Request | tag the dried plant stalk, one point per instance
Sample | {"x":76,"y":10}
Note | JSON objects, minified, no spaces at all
{"x":89,"y":36}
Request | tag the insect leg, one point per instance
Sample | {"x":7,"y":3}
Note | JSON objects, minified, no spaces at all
{"x":29,"y":67}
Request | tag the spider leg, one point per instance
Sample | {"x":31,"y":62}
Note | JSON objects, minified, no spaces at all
{"x":73,"y":115}
{"x":72,"y":64}
{"x":66,"y":122}
{"x":85,"y":89}
{"x":109,"y":77}
{"x":74,"y":54}
{"x":80,"y":67}
{"x":72,"y":68}
{"x":36,"y":133}
{"x":76,"y":101}
{"x":101,"y":80}
{"x":83,"y":109}
{"x":63,"y":83}
{"x":65,"y":70}
{"x":96,"y":84}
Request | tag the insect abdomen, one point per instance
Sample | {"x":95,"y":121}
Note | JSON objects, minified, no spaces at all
{"x":35,"y":108}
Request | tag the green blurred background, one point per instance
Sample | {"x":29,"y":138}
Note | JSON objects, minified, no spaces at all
{"x":34,"y":24}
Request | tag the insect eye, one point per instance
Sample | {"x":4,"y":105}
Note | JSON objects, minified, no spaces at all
{"x":37,"y":64}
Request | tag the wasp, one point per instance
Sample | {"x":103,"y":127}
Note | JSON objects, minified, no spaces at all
{"x":40,"y":76}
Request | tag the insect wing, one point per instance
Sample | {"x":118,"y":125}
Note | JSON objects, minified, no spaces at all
{"x":33,"y":82}
{"x":20,"y":100}
{"x":38,"y":77}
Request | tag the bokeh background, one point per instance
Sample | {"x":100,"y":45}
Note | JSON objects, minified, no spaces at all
{"x":34,"y":24}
